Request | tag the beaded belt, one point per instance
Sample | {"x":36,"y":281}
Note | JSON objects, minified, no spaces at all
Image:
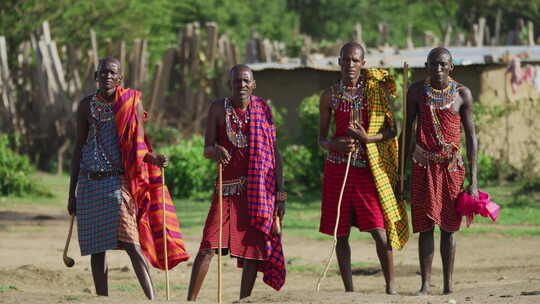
{"x":338,"y":159}
{"x":234,"y":186}
{"x":423,"y":157}
{"x":99,"y":175}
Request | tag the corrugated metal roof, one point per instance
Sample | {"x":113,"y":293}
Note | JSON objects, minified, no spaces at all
{"x":415,"y":58}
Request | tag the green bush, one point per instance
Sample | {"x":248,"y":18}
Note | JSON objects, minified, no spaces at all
{"x":15,"y":173}
{"x":304,"y":160}
{"x":161,"y":135}
{"x":189,"y":174}
{"x":488,"y":169}
{"x":530,"y":186}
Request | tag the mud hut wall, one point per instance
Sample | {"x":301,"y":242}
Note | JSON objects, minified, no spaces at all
{"x":287,"y":89}
{"x":511,"y":135}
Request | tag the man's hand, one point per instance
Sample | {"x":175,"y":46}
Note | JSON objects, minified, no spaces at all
{"x":473,"y":190}
{"x":222,"y":155}
{"x":157,"y":160}
{"x":71,"y":207}
{"x":162,"y":161}
{"x":342,"y":144}
{"x":359,"y":134}
{"x":279,"y":210}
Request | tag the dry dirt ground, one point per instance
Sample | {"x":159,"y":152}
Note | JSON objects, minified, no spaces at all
{"x":490,"y":268}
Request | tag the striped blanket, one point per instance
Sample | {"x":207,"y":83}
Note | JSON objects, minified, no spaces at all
{"x":261,"y":188}
{"x":145,"y":185}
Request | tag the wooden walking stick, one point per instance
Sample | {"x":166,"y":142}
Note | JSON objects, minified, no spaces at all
{"x":69,"y":262}
{"x":220,"y":242}
{"x":165,"y":233}
{"x":333,"y":249}
{"x":404,"y":124}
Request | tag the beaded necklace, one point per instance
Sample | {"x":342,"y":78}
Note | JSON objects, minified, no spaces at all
{"x":237,"y":138}
{"x":352,"y":103}
{"x":345,"y":101}
{"x":440,"y":99}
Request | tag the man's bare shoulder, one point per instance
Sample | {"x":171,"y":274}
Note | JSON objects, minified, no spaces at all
{"x":217,"y":106}
{"x":417,"y":87}
{"x":464,"y":92}
{"x":326,"y":96}
{"x":84,"y":104}
{"x":87,"y":99}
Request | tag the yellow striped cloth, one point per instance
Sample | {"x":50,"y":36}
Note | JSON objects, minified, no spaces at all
{"x":383,"y":156}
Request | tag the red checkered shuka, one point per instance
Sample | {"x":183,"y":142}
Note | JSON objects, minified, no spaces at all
{"x":435,"y":188}
{"x":360,"y":205}
{"x":239,"y":237}
{"x":261,"y":188}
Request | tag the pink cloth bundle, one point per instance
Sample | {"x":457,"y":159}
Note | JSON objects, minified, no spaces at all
{"x":468,"y":206}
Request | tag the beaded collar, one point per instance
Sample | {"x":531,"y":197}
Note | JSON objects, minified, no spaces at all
{"x":237,"y":138}
{"x":440,"y":99}
{"x":345,"y":101}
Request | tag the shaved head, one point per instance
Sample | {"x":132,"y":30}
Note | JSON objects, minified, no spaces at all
{"x":240,"y":68}
{"x":109,"y":59}
{"x":351,"y":45}
{"x":438,"y":51}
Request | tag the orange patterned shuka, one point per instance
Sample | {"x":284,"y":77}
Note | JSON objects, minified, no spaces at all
{"x":145,"y":185}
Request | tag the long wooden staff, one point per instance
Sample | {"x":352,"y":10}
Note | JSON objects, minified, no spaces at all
{"x":220,"y":241}
{"x":403,"y":129}
{"x":333,"y":249}
{"x":69,"y":262}
{"x":165,"y":233}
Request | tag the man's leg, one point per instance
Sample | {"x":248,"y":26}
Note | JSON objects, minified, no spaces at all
{"x":198,"y":273}
{"x":98,"y":263}
{"x":425,"y":252}
{"x":141,"y":269}
{"x":343,"y":252}
{"x":448,"y":253}
{"x":249,"y":274}
{"x":386,"y":258}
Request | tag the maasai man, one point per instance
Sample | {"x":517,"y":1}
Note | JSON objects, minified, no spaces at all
{"x":115,"y":188}
{"x":241,"y":136}
{"x":364,"y":127}
{"x":439,"y":105}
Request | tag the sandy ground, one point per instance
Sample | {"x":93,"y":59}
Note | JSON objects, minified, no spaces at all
{"x":490,"y":268}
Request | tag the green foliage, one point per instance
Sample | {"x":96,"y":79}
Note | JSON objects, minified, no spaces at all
{"x":189,"y":174}
{"x":488,"y":169}
{"x":15,"y":173}
{"x":159,"y":21}
{"x":161,"y":135}
{"x":304,"y":160}
{"x":531,"y":186}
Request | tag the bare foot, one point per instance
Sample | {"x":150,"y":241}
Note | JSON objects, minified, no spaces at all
{"x":390,"y":289}
{"x":424,"y":291}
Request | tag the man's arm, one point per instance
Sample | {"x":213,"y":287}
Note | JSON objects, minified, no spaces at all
{"x":467,"y":119}
{"x":211,"y":149}
{"x":82,"y":134}
{"x":150,"y":157}
{"x":413,"y":95}
{"x":343,"y":144}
